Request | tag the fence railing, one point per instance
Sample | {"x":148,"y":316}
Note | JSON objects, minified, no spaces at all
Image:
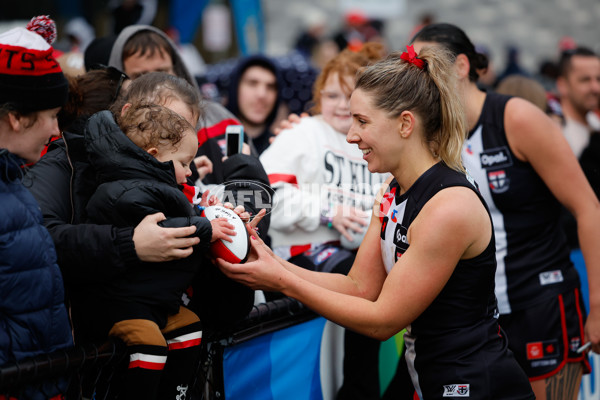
{"x":94,"y":372}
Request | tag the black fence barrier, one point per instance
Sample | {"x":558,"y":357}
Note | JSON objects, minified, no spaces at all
{"x":94,"y":372}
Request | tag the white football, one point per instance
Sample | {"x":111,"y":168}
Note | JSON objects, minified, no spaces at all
{"x":235,"y":252}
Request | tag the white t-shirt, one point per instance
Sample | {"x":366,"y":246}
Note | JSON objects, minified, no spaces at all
{"x":312,"y":168}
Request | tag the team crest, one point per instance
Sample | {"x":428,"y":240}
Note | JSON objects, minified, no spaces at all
{"x":457,"y":390}
{"x":574,"y":344}
{"x":498,"y":181}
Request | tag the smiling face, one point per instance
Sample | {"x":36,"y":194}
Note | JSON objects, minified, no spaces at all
{"x":36,"y":135}
{"x":182,"y":155}
{"x":581,"y":86}
{"x":335,"y":102}
{"x":375,"y":134}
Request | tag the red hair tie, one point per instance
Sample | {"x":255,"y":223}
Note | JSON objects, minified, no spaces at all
{"x":411,"y":57}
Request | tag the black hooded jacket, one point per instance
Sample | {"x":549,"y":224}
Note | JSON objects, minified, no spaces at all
{"x":133,"y":184}
{"x":262,"y":141}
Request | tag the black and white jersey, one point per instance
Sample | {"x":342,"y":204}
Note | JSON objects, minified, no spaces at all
{"x":455,"y":347}
{"x":532,"y":255}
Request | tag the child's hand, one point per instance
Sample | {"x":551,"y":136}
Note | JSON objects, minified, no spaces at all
{"x":207,"y":201}
{"x":222,"y":229}
{"x":240,"y":210}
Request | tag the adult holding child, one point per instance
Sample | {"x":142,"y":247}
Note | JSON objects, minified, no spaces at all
{"x":525,"y":171}
{"x":33,"y":319}
{"x":427,"y":262}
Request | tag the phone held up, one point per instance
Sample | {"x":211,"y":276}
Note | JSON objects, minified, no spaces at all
{"x":234,"y":136}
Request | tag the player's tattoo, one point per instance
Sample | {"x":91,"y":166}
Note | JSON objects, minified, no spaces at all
{"x":565,"y":384}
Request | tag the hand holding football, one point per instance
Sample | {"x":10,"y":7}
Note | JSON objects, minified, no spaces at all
{"x":237,"y":251}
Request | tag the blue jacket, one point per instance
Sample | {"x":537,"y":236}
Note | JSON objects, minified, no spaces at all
{"x":33,"y":317}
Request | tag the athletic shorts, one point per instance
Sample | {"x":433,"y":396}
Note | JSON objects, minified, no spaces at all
{"x":546,"y":336}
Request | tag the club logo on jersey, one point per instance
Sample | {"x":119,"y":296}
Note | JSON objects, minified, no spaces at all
{"x":495,"y":158}
{"x":498,"y":181}
{"x":574,"y":344}
{"x":550,"y":277}
{"x":457,"y":390}
{"x":540,"y":350}
{"x":400,"y":239}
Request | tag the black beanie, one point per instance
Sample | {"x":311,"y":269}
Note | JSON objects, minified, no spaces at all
{"x":30,"y":77}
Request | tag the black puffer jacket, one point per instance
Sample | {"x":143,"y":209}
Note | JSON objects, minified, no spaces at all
{"x":62,"y":183}
{"x":132,"y":185}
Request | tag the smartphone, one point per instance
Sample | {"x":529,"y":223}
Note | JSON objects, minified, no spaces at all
{"x":234,"y":138}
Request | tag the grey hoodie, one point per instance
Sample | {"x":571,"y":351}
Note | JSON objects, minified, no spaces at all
{"x":214,"y":114}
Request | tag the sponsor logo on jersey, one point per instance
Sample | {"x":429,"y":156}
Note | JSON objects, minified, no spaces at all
{"x":495,"y":158}
{"x":540,"y":350}
{"x":498,"y":181}
{"x":394,"y":219}
{"x":456,"y":390}
{"x":551,"y":277}
{"x":469,"y":149}
{"x":400,"y":239}
{"x":387,"y":200}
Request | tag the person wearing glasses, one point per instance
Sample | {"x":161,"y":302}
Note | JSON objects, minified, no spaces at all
{"x":324,"y":193}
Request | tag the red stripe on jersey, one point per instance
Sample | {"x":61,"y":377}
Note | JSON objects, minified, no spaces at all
{"x":146,"y":365}
{"x":288,"y":178}
{"x":218,"y":129}
{"x":27,"y":62}
{"x":185,"y":344}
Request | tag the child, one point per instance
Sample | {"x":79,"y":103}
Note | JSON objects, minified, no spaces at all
{"x":139,"y":163}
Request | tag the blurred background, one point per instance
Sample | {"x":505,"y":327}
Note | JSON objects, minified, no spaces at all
{"x":519,"y":36}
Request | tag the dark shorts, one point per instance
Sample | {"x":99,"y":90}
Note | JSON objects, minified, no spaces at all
{"x":546,"y":336}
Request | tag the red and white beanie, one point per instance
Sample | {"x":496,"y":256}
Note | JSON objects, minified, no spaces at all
{"x":30,"y":77}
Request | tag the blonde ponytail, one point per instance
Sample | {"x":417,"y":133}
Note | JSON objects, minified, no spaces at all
{"x":429,"y":91}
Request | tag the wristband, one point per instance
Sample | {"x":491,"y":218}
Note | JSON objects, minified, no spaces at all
{"x":326,"y":218}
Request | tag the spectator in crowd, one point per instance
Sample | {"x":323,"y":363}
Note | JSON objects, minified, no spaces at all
{"x":34,"y":320}
{"x":64,"y":181}
{"x":140,"y":156}
{"x":254,"y":96}
{"x":325,"y":192}
{"x":139,"y":49}
{"x":427,"y":261}
{"x":525,"y":170}
{"x":578,"y":86}
{"x":513,"y":64}
{"x":525,"y":88}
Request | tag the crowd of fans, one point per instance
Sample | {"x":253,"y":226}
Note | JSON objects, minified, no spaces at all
{"x":106,"y":165}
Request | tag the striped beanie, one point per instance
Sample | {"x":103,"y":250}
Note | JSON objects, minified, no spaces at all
{"x":30,"y":77}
